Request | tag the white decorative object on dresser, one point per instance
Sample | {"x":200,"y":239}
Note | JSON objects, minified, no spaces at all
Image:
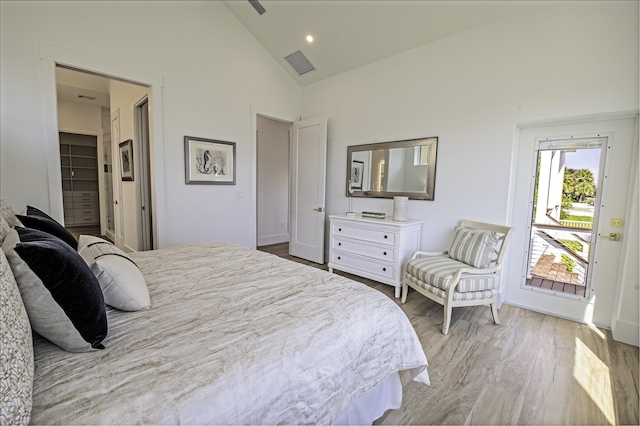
{"x":372,"y":248}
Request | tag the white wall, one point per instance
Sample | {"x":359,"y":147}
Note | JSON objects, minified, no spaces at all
{"x":212,"y":70}
{"x":471,"y":90}
{"x":75,"y":115}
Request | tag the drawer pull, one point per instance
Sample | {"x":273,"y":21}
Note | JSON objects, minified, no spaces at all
{"x":384,"y":269}
{"x":339,"y":257}
{"x":385,"y":237}
{"x":385,"y":253}
{"x":339,"y":244}
{"x":339,"y":229}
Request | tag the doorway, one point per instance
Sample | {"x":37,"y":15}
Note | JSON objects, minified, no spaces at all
{"x":563,"y":228}
{"x":119,"y":211}
{"x":272,"y":171}
{"x":613,"y":136}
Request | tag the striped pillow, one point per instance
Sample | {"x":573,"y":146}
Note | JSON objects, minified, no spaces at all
{"x":475,"y":248}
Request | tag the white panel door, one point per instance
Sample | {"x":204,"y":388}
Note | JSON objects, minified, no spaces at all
{"x":308,"y":178}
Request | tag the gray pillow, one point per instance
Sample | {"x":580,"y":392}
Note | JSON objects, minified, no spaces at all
{"x":7,"y":212}
{"x":474,"y":247}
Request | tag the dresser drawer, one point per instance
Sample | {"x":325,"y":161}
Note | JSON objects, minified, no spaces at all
{"x":86,"y":220}
{"x":366,"y":234}
{"x":85,"y":205}
{"x":85,"y":199}
{"x":371,"y":267}
{"x":79,"y":213}
{"x":364,"y":249}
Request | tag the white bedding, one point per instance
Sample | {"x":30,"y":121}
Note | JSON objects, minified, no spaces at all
{"x":233,"y":336}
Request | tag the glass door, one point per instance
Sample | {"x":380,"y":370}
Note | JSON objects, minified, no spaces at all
{"x":564,"y":215}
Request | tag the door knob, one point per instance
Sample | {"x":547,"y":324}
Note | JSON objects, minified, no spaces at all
{"x":612,"y":236}
{"x":319,"y":209}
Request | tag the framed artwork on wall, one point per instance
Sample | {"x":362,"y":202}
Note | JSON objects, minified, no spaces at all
{"x":209,"y":161}
{"x":126,"y":160}
{"x":357,"y":168}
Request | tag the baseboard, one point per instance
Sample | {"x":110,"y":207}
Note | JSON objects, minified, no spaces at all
{"x":626,"y":332}
{"x":273,"y":239}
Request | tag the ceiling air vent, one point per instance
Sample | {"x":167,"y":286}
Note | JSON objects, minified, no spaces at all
{"x":300,"y":63}
{"x":258,"y":7}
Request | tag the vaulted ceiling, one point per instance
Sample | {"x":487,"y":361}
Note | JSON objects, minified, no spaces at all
{"x":351,"y":33}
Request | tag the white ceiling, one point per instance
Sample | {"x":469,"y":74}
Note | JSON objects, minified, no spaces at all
{"x":72,"y":84}
{"x":351,"y":33}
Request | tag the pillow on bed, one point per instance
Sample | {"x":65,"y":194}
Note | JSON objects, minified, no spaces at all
{"x":62,"y":297}
{"x":473,"y":247}
{"x":16,"y":351}
{"x":7,"y":212}
{"x":122,"y":283}
{"x":39,"y":220}
{"x":4,"y":229}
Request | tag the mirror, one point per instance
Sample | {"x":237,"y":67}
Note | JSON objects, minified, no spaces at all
{"x":384,"y":170}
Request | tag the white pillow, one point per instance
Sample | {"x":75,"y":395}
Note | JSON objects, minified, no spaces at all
{"x":122,"y":283}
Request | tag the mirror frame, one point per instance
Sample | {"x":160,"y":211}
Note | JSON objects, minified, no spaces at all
{"x":431,"y":172}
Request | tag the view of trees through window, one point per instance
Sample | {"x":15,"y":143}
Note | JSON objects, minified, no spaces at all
{"x":579,"y":186}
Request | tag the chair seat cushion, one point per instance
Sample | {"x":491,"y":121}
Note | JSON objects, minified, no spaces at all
{"x":437,"y":271}
{"x":469,"y":295}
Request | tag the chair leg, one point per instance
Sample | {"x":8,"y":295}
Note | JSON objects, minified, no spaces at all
{"x":405,"y":290}
{"x":494,"y":312}
{"x":447,"y":318}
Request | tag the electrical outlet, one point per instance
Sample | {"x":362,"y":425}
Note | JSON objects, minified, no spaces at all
{"x":616,"y":222}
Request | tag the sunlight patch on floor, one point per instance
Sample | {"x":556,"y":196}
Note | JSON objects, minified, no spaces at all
{"x":594,"y":377}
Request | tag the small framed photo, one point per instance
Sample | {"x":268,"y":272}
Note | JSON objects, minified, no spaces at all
{"x":209,"y":162}
{"x":126,"y":160}
{"x":357,"y":169}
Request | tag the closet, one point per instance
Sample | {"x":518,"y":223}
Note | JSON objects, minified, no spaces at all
{"x":79,"y":167}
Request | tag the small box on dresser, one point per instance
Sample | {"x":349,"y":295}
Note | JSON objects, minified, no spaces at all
{"x":373,"y":248}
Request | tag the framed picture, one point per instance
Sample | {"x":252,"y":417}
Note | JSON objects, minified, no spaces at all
{"x":357,"y":168}
{"x":209,"y":162}
{"x":126,"y":160}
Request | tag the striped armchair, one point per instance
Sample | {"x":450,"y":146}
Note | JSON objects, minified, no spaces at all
{"x":466,"y":274}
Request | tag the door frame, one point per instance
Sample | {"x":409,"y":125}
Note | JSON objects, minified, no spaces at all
{"x":143,"y":165}
{"x":272,"y":113}
{"x":592,"y":313}
{"x":52,"y":56}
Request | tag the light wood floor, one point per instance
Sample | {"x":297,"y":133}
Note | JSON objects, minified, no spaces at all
{"x":532,"y":369}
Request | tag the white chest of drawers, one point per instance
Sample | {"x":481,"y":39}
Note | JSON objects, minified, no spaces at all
{"x":372,"y":248}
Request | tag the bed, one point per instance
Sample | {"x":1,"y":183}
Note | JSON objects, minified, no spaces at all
{"x":234,"y":336}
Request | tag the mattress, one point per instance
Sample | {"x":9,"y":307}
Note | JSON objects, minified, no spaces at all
{"x":234,"y":335}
